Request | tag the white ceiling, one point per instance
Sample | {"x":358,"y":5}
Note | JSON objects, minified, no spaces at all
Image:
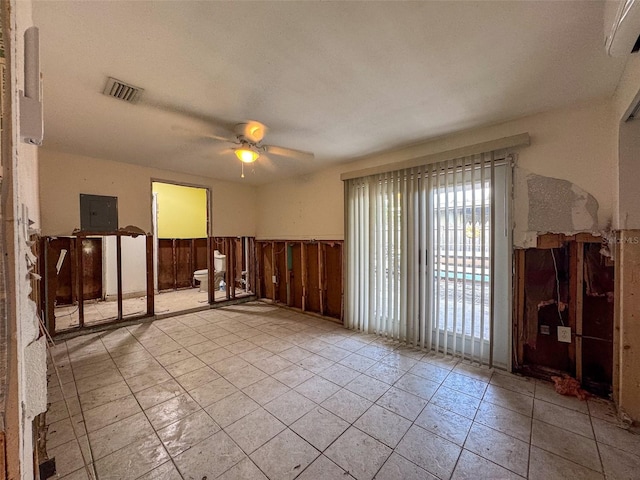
{"x":340,"y":79}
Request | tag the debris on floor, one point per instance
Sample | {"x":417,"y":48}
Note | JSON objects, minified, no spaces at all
{"x":567,"y":385}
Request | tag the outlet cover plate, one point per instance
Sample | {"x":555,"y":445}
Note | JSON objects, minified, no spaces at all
{"x":564,"y":334}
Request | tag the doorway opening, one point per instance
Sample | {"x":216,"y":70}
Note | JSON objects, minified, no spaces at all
{"x":180,"y":230}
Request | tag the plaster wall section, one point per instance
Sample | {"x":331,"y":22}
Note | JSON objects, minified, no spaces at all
{"x":64,"y":176}
{"x":30,"y":349}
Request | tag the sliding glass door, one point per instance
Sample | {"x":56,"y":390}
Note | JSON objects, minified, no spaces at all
{"x":429,"y":257}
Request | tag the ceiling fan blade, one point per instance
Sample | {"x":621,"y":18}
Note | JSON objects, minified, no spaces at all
{"x":288,"y":152}
{"x":267,"y":163}
{"x":207,"y":135}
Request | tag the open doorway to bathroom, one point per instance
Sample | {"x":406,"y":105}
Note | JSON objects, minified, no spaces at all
{"x":180,"y":231}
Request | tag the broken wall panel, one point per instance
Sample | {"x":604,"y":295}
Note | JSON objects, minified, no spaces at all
{"x":581,"y":282}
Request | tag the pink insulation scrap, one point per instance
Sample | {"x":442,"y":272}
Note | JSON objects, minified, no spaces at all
{"x":567,"y":385}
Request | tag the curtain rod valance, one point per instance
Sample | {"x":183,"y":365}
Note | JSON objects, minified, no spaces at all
{"x":519,"y":140}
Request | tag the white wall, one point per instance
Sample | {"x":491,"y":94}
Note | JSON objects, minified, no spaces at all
{"x":64,"y":176}
{"x":575,"y":144}
{"x":134,"y":265}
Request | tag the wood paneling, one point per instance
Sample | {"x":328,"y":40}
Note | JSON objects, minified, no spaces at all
{"x":313,"y":278}
{"x":333,"y":279}
{"x":280,"y":253}
{"x":309,"y":275}
{"x":295,"y":275}
{"x":165,"y":265}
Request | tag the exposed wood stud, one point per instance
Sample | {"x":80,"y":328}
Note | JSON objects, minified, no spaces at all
{"x":579,"y":289}
{"x":119,"y":274}
{"x":150,"y":276}
{"x":77,"y":246}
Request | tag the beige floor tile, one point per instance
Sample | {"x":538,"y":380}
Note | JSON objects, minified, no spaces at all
{"x":212,"y":356}
{"x":566,"y":444}
{"x":289,"y":407}
{"x":293,"y":376}
{"x":266,"y":390}
{"x":347,"y":405}
{"x":358,"y":453}
{"x":197,"y":378}
{"x":231,"y":409}
{"x":211,"y":392}
{"x":429,"y":451}
{"x":456,"y":402}
{"x":602,"y":409}
{"x":504,"y":420}
{"x":464,"y":384}
{"x":256,"y":355}
{"x":473,"y":467}
{"x":429,"y":371}
{"x":385,"y":373}
{"x":146,"y":380}
{"x":615,"y":436}
{"x":506,"y":451}
{"x":173,"y":357}
{"x":64,"y":431}
{"x":171,"y":411}
{"x":63,"y":409}
{"x":166,"y":471}
{"x":357,"y":362}
{"x":339,"y":374}
{"x":102,"y":395}
{"x":202,"y":347}
{"x":545,"y":465}
{"x":285,"y":456}
{"x":444,"y":423}
{"x":245,"y":376}
{"x":315,"y":363}
{"x":119,"y":434}
{"x":324,"y":469}
{"x":111,"y":412}
{"x":185,"y":366}
{"x":134,"y":460}
{"x":509,"y":399}
{"x":563,"y":417}
{"x":209,"y":458}
{"x":162,"y":392}
{"x":229,"y":365}
{"x":186,"y":432}
{"x":399,"y":468}
{"x":383,"y":425}
{"x":367,"y":387}
{"x":523,"y":385}
{"x":317,"y":389}
{"x":243,"y":470}
{"x":618,"y":464}
{"x":403,"y":403}
{"x":254,"y":430}
{"x":96,"y":381}
{"x":320,"y":427}
{"x":416,"y":385}
{"x":68,"y":457}
{"x":295,"y":354}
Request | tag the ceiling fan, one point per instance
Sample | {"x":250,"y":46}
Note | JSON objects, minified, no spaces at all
{"x":249,"y":147}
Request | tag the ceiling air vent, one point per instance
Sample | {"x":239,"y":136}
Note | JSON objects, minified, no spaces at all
{"x":122,"y":91}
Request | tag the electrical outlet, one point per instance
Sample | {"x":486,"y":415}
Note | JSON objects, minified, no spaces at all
{"x":274,"y":279}
{"x":564,"y":334}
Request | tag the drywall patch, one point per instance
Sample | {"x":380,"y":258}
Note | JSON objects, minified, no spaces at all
{"x":35,"y":361}
{"x":559,"y":206}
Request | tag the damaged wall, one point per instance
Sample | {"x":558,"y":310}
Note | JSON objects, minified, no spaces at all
{"x":64,"y":176}
{"x":576,"y":145}
{"x":26,"y":395}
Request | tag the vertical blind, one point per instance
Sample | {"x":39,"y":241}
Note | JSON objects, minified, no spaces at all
{"x":420,"y":256}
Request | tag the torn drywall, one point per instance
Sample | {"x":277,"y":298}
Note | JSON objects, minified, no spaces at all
{"x":559,"y":206}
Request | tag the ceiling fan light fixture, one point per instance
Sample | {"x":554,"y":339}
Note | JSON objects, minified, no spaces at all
{"x":246,"y":155}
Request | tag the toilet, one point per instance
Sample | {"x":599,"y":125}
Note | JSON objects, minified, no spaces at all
{"x":219,"y":266}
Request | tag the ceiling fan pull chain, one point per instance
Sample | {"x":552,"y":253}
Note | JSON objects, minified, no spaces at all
{"x":242,"y":165}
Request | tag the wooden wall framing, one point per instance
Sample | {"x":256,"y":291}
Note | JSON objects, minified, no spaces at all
{"x":302,"y":274}
{"x":589,"y":325}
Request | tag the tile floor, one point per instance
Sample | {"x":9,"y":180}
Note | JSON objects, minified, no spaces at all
{"x":253,"y":391}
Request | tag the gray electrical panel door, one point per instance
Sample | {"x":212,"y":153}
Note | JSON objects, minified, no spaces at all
{"x":98,"y":213}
